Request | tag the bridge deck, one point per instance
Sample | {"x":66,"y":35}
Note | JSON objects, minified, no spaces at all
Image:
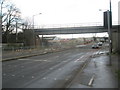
{"x":72,"y":30}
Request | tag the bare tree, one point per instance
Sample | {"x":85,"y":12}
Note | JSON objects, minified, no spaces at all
{"x":10,"y":15}
{"x":28,"y":23}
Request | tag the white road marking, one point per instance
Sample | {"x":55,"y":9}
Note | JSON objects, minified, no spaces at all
{"x":66,"y":79}
{"x":33,"y":77}
{"x":91,"y":80}
{"x":55,"y":78}
{"x":64,"y":61}
{"x":76,"y":60}
{"x":50,"y":68}
{"x":23,"y":59}
{"x":13,"y":75}
{"x":82,"y":56}
{"x":44,"y":60}
{"x":59,"y":69}
{"x":41,"y":60}
{"x":79,"y":59}
{"x":44,"y":78}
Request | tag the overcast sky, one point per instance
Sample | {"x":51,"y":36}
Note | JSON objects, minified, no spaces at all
{"x":66,"y":11}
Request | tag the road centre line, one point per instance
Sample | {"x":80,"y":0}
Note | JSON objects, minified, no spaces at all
{"x":41,"y":60}
{"x":79,"y":58}
{"x":23,"y":59}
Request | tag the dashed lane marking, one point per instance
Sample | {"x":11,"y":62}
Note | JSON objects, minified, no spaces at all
{"x":23,"y":59}
{"x":33,"y":77}
{"x":13,"y":75}
{"x":41,"y":60}
{"x":55,"y":78}
{"x":44,"y":78}
{"x":65,"y":61}
{"x":44,"y":60}
{"x":50,"y":68}
{"x":66,"y":79}
{"x":59,"y":69}
{"x":79,"y":59}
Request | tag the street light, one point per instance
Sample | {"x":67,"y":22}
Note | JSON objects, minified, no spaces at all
{"x":109,"y":25}
{"x":109,"y":35}
{"x":33,"y":29}
{"x":1,"y":20}
{"x":33,"y":18}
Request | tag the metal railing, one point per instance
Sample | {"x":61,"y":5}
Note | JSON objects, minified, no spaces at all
{"x":67,"y":25}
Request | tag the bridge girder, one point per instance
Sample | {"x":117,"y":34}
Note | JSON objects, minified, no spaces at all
{"x":71,"y":30}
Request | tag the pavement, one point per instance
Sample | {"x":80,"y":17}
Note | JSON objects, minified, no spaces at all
{"x":12,"y":55}
{"x":97,"y":74}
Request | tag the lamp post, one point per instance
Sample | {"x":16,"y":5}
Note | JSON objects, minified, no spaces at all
{"x":109,"y":33}
{"x":109,"y":15}
{"x":33,"y":29}
{"x":1,"y":20}
{"x":33,"y":18}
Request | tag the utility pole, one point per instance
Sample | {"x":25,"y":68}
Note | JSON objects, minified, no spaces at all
{"x":1,"y":22}
{"x":33,"y":29}
{"x":109,"y":33}
{"x":109,"y":14}
{"x":110,"y":6}
{"x":16,"y":33}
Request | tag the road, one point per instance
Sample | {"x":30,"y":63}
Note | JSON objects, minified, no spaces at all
{"x":52,"y":70}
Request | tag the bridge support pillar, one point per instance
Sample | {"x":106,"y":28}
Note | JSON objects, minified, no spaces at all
{"x":29,"y":38}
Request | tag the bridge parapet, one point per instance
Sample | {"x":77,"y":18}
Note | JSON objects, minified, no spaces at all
{"x":68,"y":25}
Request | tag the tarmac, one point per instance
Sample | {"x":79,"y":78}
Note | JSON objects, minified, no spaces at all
{"x":96,"y":74}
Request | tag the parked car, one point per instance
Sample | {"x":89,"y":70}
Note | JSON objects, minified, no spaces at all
{"x":100,"y":43}
{"x":95,"y":46}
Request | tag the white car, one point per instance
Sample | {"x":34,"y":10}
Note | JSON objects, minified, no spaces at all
{"x":95,"y":46}
{"x":100,"y":43}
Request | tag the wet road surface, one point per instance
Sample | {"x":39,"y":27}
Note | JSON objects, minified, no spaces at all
{"x":52,"y":70}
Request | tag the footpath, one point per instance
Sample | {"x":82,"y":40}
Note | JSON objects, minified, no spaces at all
{"x":12,"y":55}
{"x":98,"y":73}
